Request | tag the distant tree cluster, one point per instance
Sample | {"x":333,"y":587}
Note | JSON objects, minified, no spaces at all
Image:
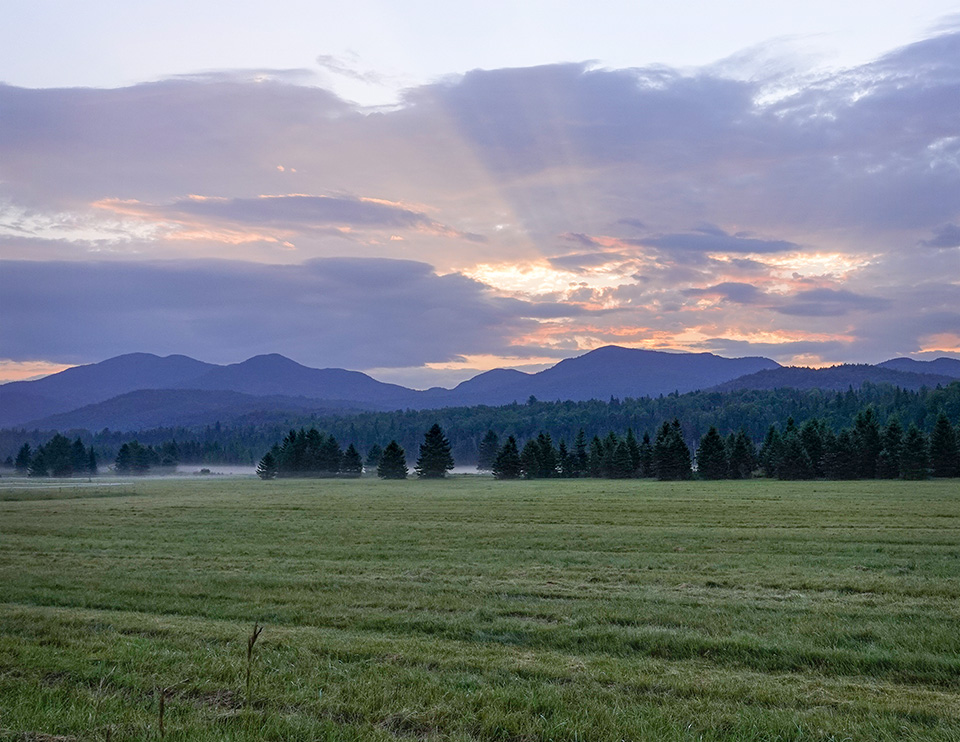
{"x":58,"y":457}
{"x":866,"y":450}
{"x":310,"y":453}
{"x":611,"y":457}
{"x":138,"y":460}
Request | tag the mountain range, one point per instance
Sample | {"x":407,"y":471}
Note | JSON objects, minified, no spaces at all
{"x":141,"y":390}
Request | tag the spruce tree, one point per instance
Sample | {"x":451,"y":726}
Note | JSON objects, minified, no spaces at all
{"x":915,"y":458}
{"x":487,"y":451}
{"x":743,"y":459}
{"x":435,"y":459}
{"x":839,"y":455}
{"x":548,"y":456}
{"x":712,"y":456}
{"x":352,"y":462}
{"x":944,"y":455}
{"x":22,"y":462}
{"x":868,"y":443}
{"x":580,"y":456}
{"x":794,"y":462}
{"x":634,"y":448}
{"x":646,"y":457}
{"x":888,"y":464}
{"x":619,"y":462}
{"x":373,"y":456}
{"x":267,"y":468}
{"x":393,"y":462}
{"x":507,"y":464}
{"x":530,"y":465}
{"x":565,"y":462}
{"x":58,"y":456}
{"x":38,"y":464}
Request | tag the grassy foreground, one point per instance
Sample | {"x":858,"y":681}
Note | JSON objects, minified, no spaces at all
{"x":475,"y":610}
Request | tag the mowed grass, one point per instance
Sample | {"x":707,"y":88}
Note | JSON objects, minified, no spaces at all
{"x":470,"y":609}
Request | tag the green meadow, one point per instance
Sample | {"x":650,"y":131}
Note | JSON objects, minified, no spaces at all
{"x":470,"y":609}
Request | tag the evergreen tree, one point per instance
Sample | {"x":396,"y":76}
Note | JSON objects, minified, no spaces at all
{"x":78,"y":457}
{"x":743,"y":458}
{"x":92,"y":462}
{"x":38,"y":464}
{"x":944,"y":454}
{"x":124,"y":461}
{"x":811,"y":436}
{"x":487,"y":451}
{"x":580,"y":456}
{"x":914,"y":458}
{"x":595,"y":458}
{"x":373,"y":456}
{"x":352,"y":462}
{"x":267,"y":468}
{"x":671,"y":456}
{"x":435,"y":459}
{"x":565,"y":462}
{"x":770,"y":452}
{"x":329,"y":456}
{"x":646,"y":457}
{"x":58,"y":456}
{"x":507,"y":463}
{"x":888,"y":463}
{"x":530,"y":465}
{"x":633,"y":447}
{"x":169,"y":455}
{"x":619,"y":462}
{"x":839,"y":455}
{"x":794,"y":462}
{"x":868,"y":444}
{"x":393,"y":462}
{"x":712,"y":456}
{"x":22,"y":462}
{"x":548,"y":456}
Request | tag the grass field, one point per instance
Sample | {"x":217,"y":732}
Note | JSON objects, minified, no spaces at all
{"x":470,"y":609}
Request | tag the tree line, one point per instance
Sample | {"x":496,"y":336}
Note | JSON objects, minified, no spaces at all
{"x":58,"y":457}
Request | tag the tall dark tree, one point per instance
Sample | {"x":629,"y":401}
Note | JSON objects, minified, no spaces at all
{"x":38,"y":463}
{"x":267,"y":468}
{"x":794,"y":462}
{"x":393,"y":462}
{"x":78,"y":457}
{"x":565,"y":461}
{"x":330,"y":456}
{"x":770,"y":451}
{"x":915,"y":457}
{"x":435,"y":459}
{"x":91,"y":461}
{"x":811,"y":436}
{"x":352,"y":462}
{"x":580,"y":455}
{"x":24,"y":456}
{"x":487,"y":451}
{"x":743,"y":457}
{"x":548,"y":456}
{"x":58,"y":456}
{"x":633,"y":446}
{"x":646,"y":457}
{"x":888,"y":463}
{"x":839,"y":455}
{"x":712,"y":456}
{"x":619,"y":463}
{"x":944,"y":454}
{"x":868,"y":443}
{"x":373,"y":456}
{"x":671,"y":456}
{"x":507,"y":463}
{"x":530,"y":460}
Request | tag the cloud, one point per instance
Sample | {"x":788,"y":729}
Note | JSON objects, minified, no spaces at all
{"x":741,"y":293}
{"x":715,"y":240}
{"x":830,"y":303}
{"x":945,"y":237}
{"x":345,"y":312}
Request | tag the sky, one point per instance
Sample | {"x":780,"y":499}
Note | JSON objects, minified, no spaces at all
{"x":426,"y":190}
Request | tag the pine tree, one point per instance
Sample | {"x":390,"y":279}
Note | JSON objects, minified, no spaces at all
{"x":530,"y":460}
{"x":868,"y":444}
{"x":565,"y":462}
{"x":646,"y":457}
{"x":839,"y":455}
{"x":743,"y":457}
{"x":580,"y":456}
{"x":507,"y":463}
{"x":393,"y":462}
{"x":770,"y":452}
{"x":811,"y":435}
{"x":330,"y":456}
{"x":22,"y":462}
{"x":78,"y":457}
{"x":38,"y":464}
{"x":487,"y":451}
{"x":888,"y":464}
{"x":373,"y":456}
{"x":435,"y":459}
{"x":58,"y":456}
{"x":124,"y":461}
{"x":548,"y":456}
{"x":794,"y":462}
{"x":619,"y":462}
{"x":914,"y":459}
{"x":712,"y":456}
{"x":352,"y":464}
{"x":92,"y":462}
{"x":267,"y":468}
{"x":634,"y":448}
{"x":944,"y":455}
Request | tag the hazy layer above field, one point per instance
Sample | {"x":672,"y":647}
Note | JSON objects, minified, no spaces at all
{"x":474,"y":609}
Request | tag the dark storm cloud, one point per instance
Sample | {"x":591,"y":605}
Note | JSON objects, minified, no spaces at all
{"x":331,"y":312}
{"x":947,"y":236}
{"x":830,"y":303}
